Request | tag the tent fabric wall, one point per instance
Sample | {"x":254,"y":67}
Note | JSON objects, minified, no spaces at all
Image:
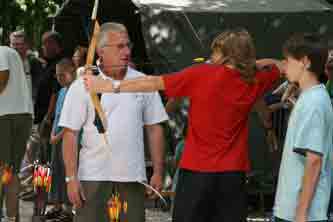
{"x":171,"y":36}
{"x":236,"y":6}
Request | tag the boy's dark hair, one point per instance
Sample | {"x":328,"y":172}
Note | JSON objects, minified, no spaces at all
{"x":311,"y":46}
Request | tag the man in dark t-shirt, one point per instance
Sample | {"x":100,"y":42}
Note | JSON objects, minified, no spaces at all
{"x":48,"y":87}
{"x":47,"y":91}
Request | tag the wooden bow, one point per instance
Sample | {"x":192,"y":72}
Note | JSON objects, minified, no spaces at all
{"x":89,"y":61}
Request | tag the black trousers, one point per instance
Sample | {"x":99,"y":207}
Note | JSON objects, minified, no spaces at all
{"x":210,"y":197}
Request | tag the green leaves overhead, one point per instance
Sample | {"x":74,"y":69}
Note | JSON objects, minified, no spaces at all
{"x":31,"y":15}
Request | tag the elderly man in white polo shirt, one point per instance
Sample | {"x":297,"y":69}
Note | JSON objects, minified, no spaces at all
{"x":118,"y":166}
{"x":15,"y":121}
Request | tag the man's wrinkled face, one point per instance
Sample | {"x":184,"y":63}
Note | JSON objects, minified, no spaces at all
{"x":19,"y":44}
{"x":116,"y":53}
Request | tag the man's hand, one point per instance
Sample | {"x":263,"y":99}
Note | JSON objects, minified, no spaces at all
{"x":75,"y":193}
{"x":156,"y":182}
{"x":97,"y":84}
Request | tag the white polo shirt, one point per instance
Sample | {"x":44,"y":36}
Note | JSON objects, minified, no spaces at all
{"x":127,"y":113}
{"x":16,"y":98}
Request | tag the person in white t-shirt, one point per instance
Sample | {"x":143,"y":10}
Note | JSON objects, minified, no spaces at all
{"x":32,"y":66}
{"x":106,"y":169}
{"x":15,"y":121}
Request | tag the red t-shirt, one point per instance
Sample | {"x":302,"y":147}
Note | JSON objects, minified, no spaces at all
{"x":220,"y":103}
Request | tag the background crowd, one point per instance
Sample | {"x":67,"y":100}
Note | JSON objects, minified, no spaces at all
{"x":36,"y":122}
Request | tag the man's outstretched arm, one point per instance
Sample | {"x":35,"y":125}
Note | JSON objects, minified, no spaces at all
{"x":142,"y":84}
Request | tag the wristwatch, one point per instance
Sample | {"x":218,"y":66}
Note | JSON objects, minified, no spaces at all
{"x":116,"y":86}
{"x":69,"y":179}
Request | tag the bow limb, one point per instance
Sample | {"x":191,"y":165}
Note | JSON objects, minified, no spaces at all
{"x":92,"y":45}
{"x":89,"y":62}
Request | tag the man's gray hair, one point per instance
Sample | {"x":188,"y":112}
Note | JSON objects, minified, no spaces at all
{"x":105,"y":29}
{"x":18,"y":34}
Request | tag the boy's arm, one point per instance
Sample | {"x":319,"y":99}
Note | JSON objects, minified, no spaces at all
{"x":310,"y":179}
{"x":55,"y":138}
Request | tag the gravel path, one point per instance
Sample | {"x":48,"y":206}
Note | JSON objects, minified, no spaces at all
{"x":152,"y":214}
{"x":156,"y":215}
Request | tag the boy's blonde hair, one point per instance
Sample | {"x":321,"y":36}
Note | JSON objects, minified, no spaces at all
{"x":67,"y":64}
{"x":237,"y":49}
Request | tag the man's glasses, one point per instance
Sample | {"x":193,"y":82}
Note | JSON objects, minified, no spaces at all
{"x":120,"y":46}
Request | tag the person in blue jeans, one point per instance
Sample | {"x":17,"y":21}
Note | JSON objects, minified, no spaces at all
{"x":65,"y":74}
{"x":304,"y":183}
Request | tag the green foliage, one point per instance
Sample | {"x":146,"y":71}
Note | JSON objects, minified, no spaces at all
{"x":9,"y":16}
{"x":31,"y":15}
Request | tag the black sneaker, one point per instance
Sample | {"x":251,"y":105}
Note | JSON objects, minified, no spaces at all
{"x":54,"y":213}
{"x":66,"y":216}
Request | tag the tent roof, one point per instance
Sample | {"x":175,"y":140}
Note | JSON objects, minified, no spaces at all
{"x":158,"y":29}
{"x":236,"y":6}
{"x":75,"y":7}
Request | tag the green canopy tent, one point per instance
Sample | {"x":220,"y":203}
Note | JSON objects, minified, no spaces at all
{"x":181,"y":30}
{"x":171,"y":34}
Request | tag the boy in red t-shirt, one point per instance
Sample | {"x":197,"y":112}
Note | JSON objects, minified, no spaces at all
{"x":211,"y":184}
